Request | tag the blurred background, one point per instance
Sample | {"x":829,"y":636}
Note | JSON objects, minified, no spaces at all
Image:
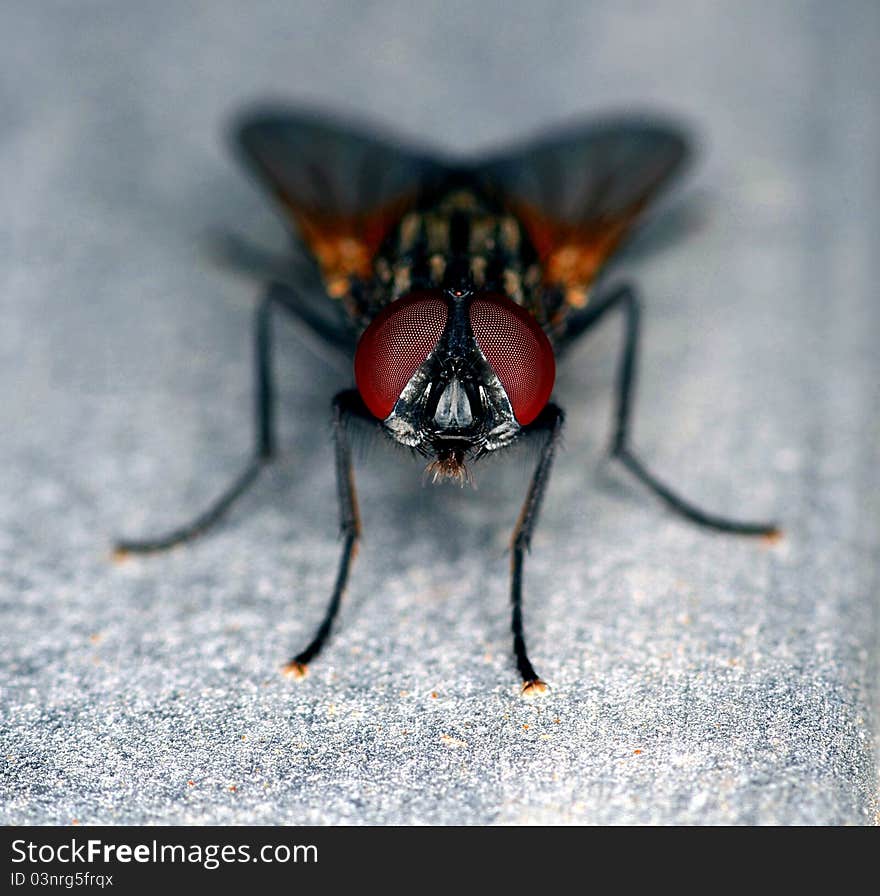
{"x":697,"y":678}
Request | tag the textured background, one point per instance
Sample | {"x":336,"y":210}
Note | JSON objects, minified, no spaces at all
{"x":697,"y":678}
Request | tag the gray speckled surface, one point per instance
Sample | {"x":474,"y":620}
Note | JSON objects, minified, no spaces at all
{"x":697,"y":678}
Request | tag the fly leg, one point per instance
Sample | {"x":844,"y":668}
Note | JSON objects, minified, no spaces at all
{"x":625,"y":298}
{"x":264,"y":450}
{"x":345,"y":405}
{"x":550,"y":422}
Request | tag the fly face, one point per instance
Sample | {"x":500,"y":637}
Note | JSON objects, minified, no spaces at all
{"x":454,"y":374}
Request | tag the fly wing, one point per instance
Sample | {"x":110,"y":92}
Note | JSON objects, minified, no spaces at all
{"x":341,"y":186}
{"x":580,"y":192}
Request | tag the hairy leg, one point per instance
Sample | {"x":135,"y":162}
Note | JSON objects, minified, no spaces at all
{"x":625,"y":298}
{"x":549,"y":423}
{"x":264,"y":448}
{"x":345,"y":405}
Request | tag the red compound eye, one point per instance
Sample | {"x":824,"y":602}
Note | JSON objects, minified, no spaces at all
{"x":394,"y":346}
{"x":518,"y":350}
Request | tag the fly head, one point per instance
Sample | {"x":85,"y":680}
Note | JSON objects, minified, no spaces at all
{"x":454,"y":374}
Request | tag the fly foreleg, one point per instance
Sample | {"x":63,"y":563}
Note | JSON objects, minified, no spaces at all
{"x":550,"y":421}
{"x":345,"y":405}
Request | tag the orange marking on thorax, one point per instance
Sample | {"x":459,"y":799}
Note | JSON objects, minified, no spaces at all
{"x":345,"y":246}
{"x":571,"y":255}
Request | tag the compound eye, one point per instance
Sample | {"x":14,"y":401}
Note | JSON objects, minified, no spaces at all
{"x":393,"y":347}
{"x":518,"y":350}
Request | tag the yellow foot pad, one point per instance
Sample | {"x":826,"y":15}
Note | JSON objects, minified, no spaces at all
{"x":535,"y":688}
{"x":772,"y":538}
{"x":295,"y":670}
{"x":120,"y":555}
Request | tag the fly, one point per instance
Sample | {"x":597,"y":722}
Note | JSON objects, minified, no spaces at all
{"x":453,"y":287}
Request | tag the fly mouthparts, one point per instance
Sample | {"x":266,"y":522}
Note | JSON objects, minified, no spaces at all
{"x":449,"y":466}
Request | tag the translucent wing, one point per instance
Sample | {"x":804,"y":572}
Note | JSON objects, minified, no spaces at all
{"x":342,"y":186}
{"x":580,"y":192}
